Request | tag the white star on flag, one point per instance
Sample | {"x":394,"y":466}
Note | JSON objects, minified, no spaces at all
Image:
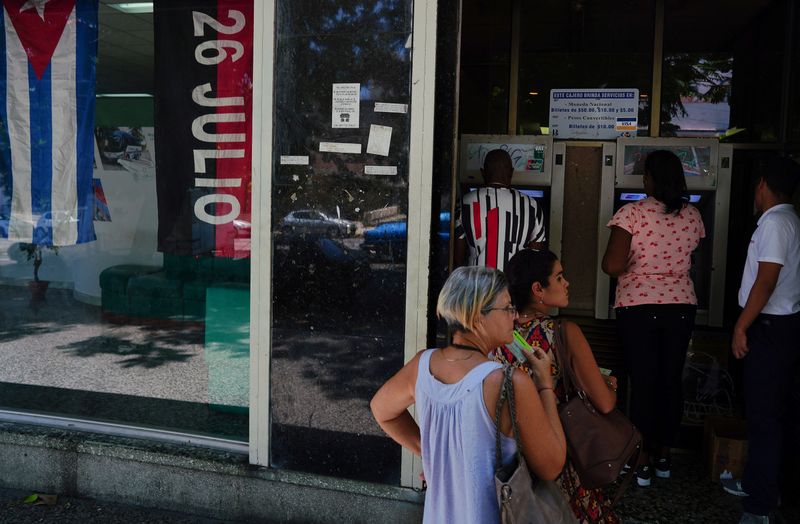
{"x":34,"y":4}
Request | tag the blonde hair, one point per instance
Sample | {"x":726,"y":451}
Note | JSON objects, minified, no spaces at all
{"x":468,"y":292}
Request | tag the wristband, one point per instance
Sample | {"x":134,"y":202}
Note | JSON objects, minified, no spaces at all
{"x":545,"y":389}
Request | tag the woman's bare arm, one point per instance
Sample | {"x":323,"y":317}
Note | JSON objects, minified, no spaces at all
{"x":543,"y":443}
{"x":390,"y":407}
{"x":588,"y":374}
{"x":615,"y":261}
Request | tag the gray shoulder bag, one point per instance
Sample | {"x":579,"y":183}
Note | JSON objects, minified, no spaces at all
{"x":523,"y":499}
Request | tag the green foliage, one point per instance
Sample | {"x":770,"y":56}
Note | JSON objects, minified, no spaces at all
{"x":705,"y":77}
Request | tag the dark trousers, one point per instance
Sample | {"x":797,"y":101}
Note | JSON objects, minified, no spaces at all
{"x":770,"y":368}
{"x":655,"y":338}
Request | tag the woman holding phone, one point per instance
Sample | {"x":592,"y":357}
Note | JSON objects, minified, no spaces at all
{"x":455,"y":390}
{"x":537,"y":285}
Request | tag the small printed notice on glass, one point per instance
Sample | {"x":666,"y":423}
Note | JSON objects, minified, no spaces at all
{"x":290,"y":160}
{"x":339,"y":147}
{"x":380,"y":170}
{"x":386,"y":107}
{"x":380,"y":138}
{"x":345,"y":105}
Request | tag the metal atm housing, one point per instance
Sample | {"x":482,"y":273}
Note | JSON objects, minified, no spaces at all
{"x":707,"y":167}
{"x":538,"y":172}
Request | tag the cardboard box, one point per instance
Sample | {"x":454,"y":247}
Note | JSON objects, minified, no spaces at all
{"x":726,"y":446}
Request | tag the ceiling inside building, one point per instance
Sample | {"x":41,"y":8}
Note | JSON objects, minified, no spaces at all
{"x":125,"y":51}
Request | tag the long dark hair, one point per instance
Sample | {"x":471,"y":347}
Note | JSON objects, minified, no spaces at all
{"x":669,"y":183}
{"x":525,"y":268}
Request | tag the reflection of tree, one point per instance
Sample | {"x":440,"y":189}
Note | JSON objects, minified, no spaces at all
{"x":705,"y":78}
{"x":330,"y":41}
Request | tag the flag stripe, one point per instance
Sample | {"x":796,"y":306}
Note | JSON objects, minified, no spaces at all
{"x":41,"y":130}
{"x":86,"y":42}
{"x":63,"y":122}
{"x":6,"y":181}
{"x":17,"y":106}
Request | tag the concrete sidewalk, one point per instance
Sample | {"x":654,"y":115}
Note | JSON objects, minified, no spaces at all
{"x":689,"y":497}
{"x":69,"y":510}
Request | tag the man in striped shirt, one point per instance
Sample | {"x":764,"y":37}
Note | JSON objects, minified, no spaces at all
{"x":496,"y":221}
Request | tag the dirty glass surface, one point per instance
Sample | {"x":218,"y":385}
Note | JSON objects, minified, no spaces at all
{"x":123,"y":332}
{"x":339,"y":231}
{"x":485,"y":62}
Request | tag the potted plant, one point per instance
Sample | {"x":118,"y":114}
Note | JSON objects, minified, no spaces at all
{"x":33,"y":252}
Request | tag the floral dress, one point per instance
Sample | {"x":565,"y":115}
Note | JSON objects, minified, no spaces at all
{"x":589,"y":505}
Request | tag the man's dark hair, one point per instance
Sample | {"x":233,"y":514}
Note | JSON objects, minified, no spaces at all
{"x":781,"y":174}
{"x":525,"y":268}
{"x":669,"y":183}
{"x":497,"y":165}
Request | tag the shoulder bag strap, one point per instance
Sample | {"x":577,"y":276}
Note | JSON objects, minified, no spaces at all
{"x":564,"y":362}
{"x":568,"y":375}
{"x":506,"y":391}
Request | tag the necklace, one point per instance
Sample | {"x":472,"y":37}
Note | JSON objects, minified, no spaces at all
{"x":535,"y":314}
{"x":459,"y":359}
{"x":465,"y":347}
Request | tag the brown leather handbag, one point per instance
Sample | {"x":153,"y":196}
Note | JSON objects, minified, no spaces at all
{"x":599,"y":445}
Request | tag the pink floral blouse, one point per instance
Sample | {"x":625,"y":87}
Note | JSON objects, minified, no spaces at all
{"x":660,"y":254}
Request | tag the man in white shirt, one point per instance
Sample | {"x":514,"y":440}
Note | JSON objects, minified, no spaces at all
{"x":766,"y":335}
{"x":496,"y":221}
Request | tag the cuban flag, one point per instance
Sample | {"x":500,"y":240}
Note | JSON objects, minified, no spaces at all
{"x":47,"y":93}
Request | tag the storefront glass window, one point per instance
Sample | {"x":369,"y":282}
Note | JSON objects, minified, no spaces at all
{"x":579,"y":44}
{"x":485,"y":66}
{"x":793,"y":133}
{"x":141,"y":313}
{"x":339,"y":204}
{"x":722,"y":70}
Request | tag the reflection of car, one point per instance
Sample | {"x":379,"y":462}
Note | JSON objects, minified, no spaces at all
{"x":390,"y":237}
{"x":312,"y":221}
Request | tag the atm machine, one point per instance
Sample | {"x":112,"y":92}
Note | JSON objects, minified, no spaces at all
{"x":707,"y":167}
{"x":538,"y":172}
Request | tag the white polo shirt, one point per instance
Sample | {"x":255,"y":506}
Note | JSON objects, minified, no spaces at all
{"x":776,"y":239}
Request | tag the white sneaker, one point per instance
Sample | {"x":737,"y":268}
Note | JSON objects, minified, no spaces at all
{"x":750,"y":518}
{"x":643,"y":476}
{"x":734,"y":487}
{"x":663,"y":468}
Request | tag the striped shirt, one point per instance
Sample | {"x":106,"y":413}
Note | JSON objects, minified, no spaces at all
{"x":496,"y":222}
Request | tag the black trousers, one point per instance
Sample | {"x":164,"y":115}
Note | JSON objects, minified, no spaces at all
{"x":655,"y":338}
{"x":770,"y":368}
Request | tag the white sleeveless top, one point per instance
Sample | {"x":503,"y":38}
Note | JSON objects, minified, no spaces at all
{"x":458,"y":446}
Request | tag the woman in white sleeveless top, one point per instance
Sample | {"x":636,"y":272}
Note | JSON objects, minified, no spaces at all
{"x":455,"y":390}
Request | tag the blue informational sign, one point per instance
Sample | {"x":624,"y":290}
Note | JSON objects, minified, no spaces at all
{"x":596,"y":114}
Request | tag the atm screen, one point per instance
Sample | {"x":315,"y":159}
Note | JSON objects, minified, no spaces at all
{"x":633,"y":197}
{"x":696,"y":160}
{"x":533,"y":193}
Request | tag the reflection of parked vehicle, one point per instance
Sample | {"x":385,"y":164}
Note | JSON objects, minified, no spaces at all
{"x":312,"y":221}
{"x":390,"y":237}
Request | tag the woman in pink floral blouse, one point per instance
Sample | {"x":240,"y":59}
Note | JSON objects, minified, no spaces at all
{"x":649,"y":252}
